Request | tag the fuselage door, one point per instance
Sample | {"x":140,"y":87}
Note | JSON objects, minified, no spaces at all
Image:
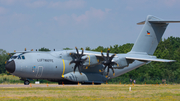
{"x":40,"y":71}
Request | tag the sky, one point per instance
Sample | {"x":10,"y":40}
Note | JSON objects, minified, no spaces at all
{"x":57,"y":24}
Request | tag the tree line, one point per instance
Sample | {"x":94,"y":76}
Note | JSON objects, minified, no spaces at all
{"x":154,"y":72}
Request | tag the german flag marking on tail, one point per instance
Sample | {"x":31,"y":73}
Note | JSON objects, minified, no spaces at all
{"x":148,"y":33}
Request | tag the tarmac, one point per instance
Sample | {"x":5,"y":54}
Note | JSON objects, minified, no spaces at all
{"x":31,"y":85}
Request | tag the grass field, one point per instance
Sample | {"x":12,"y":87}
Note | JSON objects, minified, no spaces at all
{"x":103,"y":92}
{"x":9,"y":79}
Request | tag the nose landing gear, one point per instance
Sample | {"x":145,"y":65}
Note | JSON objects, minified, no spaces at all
{"x":26,"y":82}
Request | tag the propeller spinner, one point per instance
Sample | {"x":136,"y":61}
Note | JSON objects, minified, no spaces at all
{"x":77,"y":59}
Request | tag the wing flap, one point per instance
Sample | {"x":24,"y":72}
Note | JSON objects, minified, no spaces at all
{"x":150,"y":59}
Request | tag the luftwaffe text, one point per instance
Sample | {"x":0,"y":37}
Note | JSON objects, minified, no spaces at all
{"x":44,"y":60}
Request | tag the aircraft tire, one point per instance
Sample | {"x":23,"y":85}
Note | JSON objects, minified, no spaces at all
{"x":26,"y":82}
{"x":86,"y":83}
{"x":72,"y":83}
{"x":97,"y":83}
{"x":90,"y":83}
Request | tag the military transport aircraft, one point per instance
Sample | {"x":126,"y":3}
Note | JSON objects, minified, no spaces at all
{"x":85,"y":67}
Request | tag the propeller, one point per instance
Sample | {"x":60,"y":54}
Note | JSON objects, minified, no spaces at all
{"x":108,"y":62}
{"x":77,"y":59}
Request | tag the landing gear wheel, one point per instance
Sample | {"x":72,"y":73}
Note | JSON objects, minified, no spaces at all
{"x":26,"y":82}
{"x":86,"y":83}
{"x":90,"y":84}
{"x":67,"y":83}
{"x":97,"y":83}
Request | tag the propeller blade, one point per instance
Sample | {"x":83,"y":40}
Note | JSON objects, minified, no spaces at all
{"x":83,"y":60}
{"x":103,"y":55}
{"x":104,"y":68}
{"x":82,"y":52}
{"x":112,"y":70}
{"x":77,"y":50}
{"x":114,"y":63}
{"x":108,"y":71}
{"x":71,"y":62}
{"x":112,"y":57}
{"x":79,"y":70}
{"x":75,"y":68}
{"x":108,"y":54}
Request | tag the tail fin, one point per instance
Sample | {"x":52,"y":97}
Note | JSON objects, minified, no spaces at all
{"x":150,"y":35}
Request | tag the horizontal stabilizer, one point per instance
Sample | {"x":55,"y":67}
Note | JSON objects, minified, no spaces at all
{"x":150,"y":59}
{"x":163,"y":21}
{"x":168,"y":21}
{"x":141,"y":23}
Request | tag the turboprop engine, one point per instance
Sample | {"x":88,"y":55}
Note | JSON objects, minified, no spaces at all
{"x":91,"y":60}
{"x":121,"y":62}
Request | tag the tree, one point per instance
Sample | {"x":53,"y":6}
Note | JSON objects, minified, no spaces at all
{"x":44,"y":49}
{"x":67,"y":48}
{"x":3,"y":57}
{"x":88,"y":48}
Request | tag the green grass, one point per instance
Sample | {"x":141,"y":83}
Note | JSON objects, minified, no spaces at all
{"x":93,"y":92}
{"x":9,"y":79}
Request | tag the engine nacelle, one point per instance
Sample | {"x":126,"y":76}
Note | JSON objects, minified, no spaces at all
{"x":91,"y":60}
{"x":122,"y":62}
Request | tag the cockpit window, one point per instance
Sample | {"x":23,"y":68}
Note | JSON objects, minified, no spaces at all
{"x":23,"y":57}
{"x":19,"y":57}
{"x":13,"y":57}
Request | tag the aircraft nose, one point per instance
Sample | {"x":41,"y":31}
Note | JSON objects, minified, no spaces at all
{"x":10,"y":66}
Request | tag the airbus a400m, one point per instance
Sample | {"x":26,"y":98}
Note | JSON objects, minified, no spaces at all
{"x":85,"y":67}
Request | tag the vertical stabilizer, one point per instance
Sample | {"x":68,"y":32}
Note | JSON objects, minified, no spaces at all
{"x":150,"y":35}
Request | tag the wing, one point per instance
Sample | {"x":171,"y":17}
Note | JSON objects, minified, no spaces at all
{"x":149,"y":59}
{"x":122,"y":60}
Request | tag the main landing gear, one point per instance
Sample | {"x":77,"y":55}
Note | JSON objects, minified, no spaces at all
{"x":90,"y":83}
{"x":26,"y":82}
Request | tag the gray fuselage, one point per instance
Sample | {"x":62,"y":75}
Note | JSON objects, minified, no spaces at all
{"x":52,"y":65}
